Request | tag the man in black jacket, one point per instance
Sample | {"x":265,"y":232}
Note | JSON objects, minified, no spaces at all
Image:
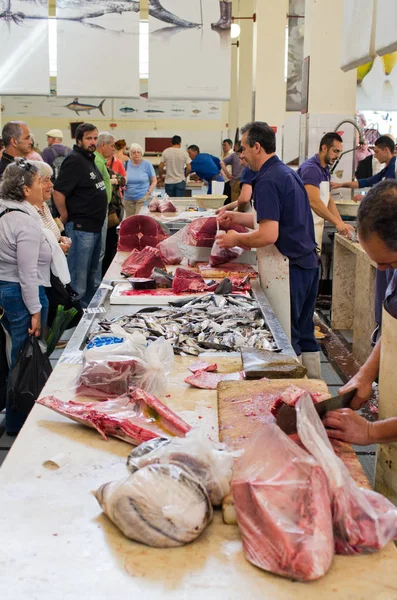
{"x":81,"y":199}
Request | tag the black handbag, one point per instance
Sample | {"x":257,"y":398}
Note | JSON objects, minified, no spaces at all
{"x":62,"y":295}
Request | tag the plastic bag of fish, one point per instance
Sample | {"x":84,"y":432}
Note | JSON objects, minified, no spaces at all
{"x":104,"y":378}
{"x":208,"y":462}
{"x":159,"y":505}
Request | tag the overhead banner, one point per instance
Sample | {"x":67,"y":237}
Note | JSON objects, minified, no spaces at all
{"x":358,"y":35}
{"x":98,"y":48}
{"x":189,"y":49}
{"x":24,"y":54}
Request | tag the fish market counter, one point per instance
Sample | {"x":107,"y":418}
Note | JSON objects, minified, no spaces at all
{"x":57,"y":543}
{"x":353,"y":294}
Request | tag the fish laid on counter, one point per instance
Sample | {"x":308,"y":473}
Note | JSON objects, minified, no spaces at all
{"x":134,"y":417}
{"x":201,"y":365}
{"x":159,"y":505}
{"x":207,"y":461}
{"x":205,"y":324}
{"x":209,"y":381}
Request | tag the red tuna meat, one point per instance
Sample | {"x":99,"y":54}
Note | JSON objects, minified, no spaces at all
{"x":209,"y":381}
{"x":188,"y":281}
{"x":135,"y":417}
{"x":291,"y":397}
{"x":201,"y":365}
{"x":141,"y":264}
{"x":138,"y":232}
{"x":283,"y":507}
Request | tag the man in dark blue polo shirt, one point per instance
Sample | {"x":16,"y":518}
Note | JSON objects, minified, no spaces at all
{"x":316,"y":178}
{"x":206,"y":166}
{"x":284,"y":219}
{"x":384,"y":152}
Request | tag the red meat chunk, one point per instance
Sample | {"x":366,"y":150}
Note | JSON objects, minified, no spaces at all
{"x":188,"y":281}
{"x":141,"y":264}
{"x":138,"y":232}
{"x":291,"y":396}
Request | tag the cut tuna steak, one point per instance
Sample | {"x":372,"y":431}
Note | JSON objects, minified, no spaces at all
{"x":201,"y":232}
{"x":141,"y":264}
{"x":138,"y":232}
{"x":291,"y":397}
{"x":209,"y":381}
{"x":188,"y":281}
{"x":134,"y":417}
{"x":201,"y":365}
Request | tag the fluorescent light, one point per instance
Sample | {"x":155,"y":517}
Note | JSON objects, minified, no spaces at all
{"x":235,"y":31}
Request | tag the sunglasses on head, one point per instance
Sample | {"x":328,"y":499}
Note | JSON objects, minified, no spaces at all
{"x":26,"y":166}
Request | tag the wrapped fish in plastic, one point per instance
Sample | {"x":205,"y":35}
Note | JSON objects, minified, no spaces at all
{"x":160,"y":506}
{"x":196,"y":454}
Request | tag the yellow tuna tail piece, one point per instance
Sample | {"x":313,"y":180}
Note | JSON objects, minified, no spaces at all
{"x":389,"y":61}
{"x":363,"y":70}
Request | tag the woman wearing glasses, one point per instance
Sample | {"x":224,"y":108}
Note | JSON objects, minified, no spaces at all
{"x":25,"y":258}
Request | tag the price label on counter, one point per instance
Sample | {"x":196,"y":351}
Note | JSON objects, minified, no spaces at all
{"x":94,"y":311}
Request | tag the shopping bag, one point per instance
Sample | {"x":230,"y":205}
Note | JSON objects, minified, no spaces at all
{"x":28,"y":376}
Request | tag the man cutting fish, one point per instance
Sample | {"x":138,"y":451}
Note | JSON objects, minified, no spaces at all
{"x":282,"y":217}
{"x":377,"y":231}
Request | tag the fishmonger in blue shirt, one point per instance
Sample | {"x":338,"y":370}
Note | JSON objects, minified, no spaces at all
{"x":206,"y":166}
{"x":284,"y":219}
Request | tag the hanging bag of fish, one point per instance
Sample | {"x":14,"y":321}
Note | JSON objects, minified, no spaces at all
{"x":111,"y":377}
{"x":202,"y":458}
{"x":159,"y":505}
{"x":283,"y":507}
{"x":219,"y":256}
{"x":364,"y":521}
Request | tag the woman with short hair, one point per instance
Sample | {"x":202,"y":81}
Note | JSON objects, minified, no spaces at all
{"x":141,"y":181}
{"x":25,"y":259}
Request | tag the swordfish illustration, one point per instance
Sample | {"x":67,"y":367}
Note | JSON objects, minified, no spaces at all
{"x":102,"y":7}
{"x":79,"y":107}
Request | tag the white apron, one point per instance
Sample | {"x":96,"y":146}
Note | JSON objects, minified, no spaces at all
{"x":319,"y":221}
{"x":273,"y":270}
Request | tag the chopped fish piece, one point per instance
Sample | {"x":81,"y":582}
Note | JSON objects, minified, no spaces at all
{"x":134,"y":417}
{"x":141,"y":264}
{"x":201,"y":365}
{"x":291,"y":396}
{"x":159,"y":505}
{"x":209,"y":381}
{"x":188,"y":281}
{"x":138,"y":232}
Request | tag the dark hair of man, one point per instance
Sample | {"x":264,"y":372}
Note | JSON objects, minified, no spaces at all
{"x":11,"y":130}
{"x":194,"y":148}
{"x":176,"y":140}
{"x":1,"y":144}
{"x":228,"y":141}
{"x":377,"y":213}
{"x":82,"y":129}
{"x":328,"y":139}
{"x":260,"y":132}
{"x":384,"y":142}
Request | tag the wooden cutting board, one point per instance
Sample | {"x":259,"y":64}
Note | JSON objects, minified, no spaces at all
{"x":244,"y":407}
{"x":227,"y":270}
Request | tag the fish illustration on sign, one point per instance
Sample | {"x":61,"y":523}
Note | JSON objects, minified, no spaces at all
{"x":152,"y":110}
{"x":178,"y":110}
{"x":196,"y":111}
{"x":128,"y":109}
{"x":79,"y":107}
{"x":214,"y":108}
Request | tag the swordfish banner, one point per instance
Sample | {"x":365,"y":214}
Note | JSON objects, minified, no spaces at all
{"x":24,"y":61}
{"x":189,"y":49}
{"x":98,"y":48}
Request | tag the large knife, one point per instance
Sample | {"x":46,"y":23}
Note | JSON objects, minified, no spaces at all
{"x":286,"y":418}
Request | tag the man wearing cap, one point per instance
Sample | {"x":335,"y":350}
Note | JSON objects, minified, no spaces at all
{"x":55,"y":147}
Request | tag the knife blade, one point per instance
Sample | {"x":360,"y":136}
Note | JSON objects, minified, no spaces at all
{"x":286,"y":418}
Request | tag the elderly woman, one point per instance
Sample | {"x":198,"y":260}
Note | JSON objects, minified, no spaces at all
{"x":25,"y":258}
{"x":141,"y":181}
{"x":47,"y":220}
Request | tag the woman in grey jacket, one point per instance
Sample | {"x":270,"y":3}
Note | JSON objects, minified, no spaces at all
{"x":25,"y":258}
